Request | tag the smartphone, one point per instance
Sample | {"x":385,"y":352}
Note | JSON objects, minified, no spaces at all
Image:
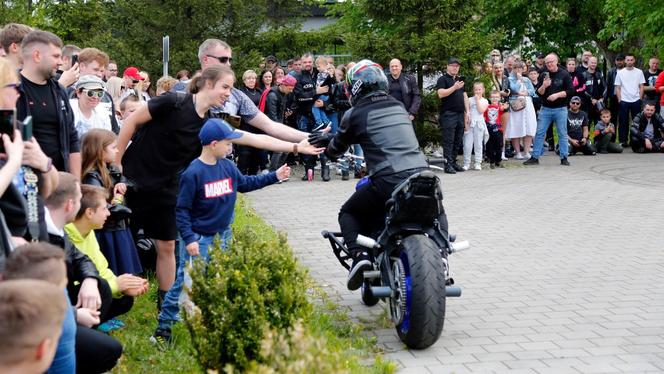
{"x":26,"y":129}
{"x":7,"y":125}
{"x":545,"y":74}
{"x":74,"y":59}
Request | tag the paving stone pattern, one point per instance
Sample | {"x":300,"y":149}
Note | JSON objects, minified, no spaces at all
{"x":565,"y":273}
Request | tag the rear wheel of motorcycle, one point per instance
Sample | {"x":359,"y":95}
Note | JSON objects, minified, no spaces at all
{"x":368,"y":298}
{"x":423,"y":307}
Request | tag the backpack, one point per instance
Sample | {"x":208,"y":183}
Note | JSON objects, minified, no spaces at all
{"x":261,"y":102}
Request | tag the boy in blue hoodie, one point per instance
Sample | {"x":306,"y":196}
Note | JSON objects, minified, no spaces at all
{"x":205,"y":206}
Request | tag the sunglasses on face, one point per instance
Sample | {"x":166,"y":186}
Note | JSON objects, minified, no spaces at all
{"x":575,"y":103}
{"x":222,"y":59}
{"x":95,"y":93}
{"x":134,"y":81}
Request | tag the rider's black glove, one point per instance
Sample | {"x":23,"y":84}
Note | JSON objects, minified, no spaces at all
{"x":320,"y":139}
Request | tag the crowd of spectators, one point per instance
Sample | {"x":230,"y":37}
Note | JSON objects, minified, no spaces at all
{"x":592,"y":114}
{"x":90,"y":172}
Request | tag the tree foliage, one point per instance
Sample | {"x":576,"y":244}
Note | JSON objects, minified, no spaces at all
{"x":567,"y":26}
{"x":635,"y":22}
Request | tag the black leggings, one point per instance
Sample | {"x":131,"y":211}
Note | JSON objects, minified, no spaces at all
{"x":494,"y":146}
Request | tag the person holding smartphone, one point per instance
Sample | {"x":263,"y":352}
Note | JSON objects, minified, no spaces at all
{"x":554,"y":86}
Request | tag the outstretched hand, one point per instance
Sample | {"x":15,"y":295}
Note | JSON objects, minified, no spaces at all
{"x":306,"y":147}
{"x":320,"y":139}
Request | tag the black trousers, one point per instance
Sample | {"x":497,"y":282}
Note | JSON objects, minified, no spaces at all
{"x":249,"y":159}
{"x":451,"y":128}
{"x":494,"y":146}
{"x":364,"y":212}
{"x":96,"y":352}
{"x":639,"y":145}
{"x":587,"y":149}
{"x":110,"y":307}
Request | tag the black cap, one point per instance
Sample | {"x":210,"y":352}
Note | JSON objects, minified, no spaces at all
{"x":453,"y":60}
{"x":539,"y":54}
{"x":271,"y":58}
{"x":620,"y":57}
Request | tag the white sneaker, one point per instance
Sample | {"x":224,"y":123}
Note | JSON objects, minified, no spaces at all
{"x":518,"y":156}
{"x":502,"y":156}
{"x":477,"y":167}
{"x":526,"y":155}
{"x":465,"y":167}
{"x":437,"y":154}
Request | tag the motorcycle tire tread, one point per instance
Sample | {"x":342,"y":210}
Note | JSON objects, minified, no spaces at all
{"x":427,"y":306}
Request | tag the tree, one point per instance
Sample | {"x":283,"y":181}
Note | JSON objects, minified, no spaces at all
{"x":418,"y":32}
{"x":562,"y":26}
{"x":636,"y":23}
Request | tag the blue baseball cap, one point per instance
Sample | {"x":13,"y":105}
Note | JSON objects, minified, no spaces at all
{"x":217,"y":129}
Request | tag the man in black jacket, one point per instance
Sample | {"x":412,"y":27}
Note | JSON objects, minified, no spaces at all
{"x":648,"y":131}
{"x":403,"y":87}
{"x":47,"y":101}
{"x":61,"y":208}
{"x":611,"y":98}
{"x":593,"y":98}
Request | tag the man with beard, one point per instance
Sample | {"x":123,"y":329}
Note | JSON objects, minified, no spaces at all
{"x":47,"y":101}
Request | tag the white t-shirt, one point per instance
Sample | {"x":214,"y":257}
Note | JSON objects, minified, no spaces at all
{"x":100,"y":118}
{"x":475,"y":116}
{"x":629,"y":82}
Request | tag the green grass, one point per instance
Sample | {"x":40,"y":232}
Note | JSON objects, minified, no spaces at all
{"x":328,"y":321}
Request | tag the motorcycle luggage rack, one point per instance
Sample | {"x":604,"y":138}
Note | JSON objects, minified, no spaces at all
{"x":338,"y":248}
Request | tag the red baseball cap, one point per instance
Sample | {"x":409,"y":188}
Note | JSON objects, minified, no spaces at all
{"x":132,"y":72}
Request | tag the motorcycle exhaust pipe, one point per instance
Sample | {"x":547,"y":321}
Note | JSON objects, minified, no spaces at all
{"x":460,"y":246}
{"x":452,"y":291}
{"x":366,"y":241}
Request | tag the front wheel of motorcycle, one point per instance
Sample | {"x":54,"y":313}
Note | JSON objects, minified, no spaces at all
{"x":420,"y":313}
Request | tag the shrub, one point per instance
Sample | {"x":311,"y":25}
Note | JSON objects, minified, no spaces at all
{"x":254,"y":286}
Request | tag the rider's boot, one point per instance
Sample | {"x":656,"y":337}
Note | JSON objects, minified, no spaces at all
{"x":324,"y":169}
{"x":325,"y":172}
{"x":361,"y":263}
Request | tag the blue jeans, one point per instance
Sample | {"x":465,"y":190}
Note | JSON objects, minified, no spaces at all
{"x":171,"y":305}
{"x":319,"y":113}
{"x":546,"y":117}
{"x":65,"y":354}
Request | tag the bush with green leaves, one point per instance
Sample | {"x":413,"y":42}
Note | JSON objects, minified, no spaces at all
{"x":254,"y":286}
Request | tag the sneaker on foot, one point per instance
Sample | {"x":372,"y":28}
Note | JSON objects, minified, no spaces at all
{"x":161,"y":337}
{"x":518,"y":156}
{"x":564,"y":162}
{"x":531,"y":161}
{"x":437,"y":154}
{"x":477,"y":167}
{"x":465,"y":167}
{"x":361,"y":263}
{"x":527,"y":155}
{"x":449,"y":169}
{"x":458,"y":168}
{"x":502,"y":157}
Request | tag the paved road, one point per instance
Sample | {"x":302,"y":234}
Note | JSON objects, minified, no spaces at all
{"x":565,"y":274}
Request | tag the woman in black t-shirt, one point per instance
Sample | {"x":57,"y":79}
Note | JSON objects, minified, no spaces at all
{"x":164,"y":140}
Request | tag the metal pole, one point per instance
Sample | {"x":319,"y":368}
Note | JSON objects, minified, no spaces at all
{"x":166,"y":44}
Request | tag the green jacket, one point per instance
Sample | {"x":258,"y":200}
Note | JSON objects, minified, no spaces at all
{"x":89,"y":246}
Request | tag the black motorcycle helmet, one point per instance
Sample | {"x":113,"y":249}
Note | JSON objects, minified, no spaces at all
{"x":364,"y":79}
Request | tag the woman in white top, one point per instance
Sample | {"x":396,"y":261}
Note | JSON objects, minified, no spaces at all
{"x":88,"y":114}
{"x":522,"y":124}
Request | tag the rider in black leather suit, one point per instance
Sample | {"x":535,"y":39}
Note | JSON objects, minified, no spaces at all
{"x":381,"y":125}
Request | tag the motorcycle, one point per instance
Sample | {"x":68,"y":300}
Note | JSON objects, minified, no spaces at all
{"x":409,"y":257}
